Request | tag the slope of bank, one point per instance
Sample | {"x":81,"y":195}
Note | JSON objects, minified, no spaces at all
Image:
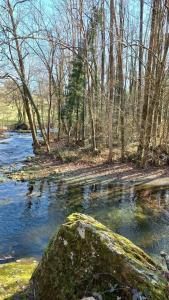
{"x":81,"y":172}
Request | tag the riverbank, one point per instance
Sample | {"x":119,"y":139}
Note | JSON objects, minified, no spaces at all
{"x":74,"y":164}
{"x":81,"y":171}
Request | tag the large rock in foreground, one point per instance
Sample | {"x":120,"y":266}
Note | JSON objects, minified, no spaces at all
{"x":86,"y":259}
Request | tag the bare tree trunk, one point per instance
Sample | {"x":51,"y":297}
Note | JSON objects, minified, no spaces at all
{"x":121,"y":80}
{"x":148,"y":82}
{"x":103,"y":57}
{"x":158,"y":11}
{"x":111,"y":81}
{"x":49,"y":107}
{"x":27,"y":92}
{"x":31,"y":123}
{"x":140,"y":66}
{"x":21,"y":71}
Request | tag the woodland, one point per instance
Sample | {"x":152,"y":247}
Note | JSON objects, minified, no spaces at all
{"x":96,"y":71}
{"x":84,"y":149}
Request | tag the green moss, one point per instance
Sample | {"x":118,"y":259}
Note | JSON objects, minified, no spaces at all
{"x":89,"y":220}
{"x":86,"y":257}
{"x":123,"y":245}
{"x":14,"y":277}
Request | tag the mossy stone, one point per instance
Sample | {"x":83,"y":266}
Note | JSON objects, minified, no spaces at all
{"x":85,"y":258}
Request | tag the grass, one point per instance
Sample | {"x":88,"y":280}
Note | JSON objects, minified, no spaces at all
{"x":8,"y":114}
{"x":14,"y":277}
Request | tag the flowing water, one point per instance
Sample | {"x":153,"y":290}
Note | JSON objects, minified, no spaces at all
{"x":30,"y":212}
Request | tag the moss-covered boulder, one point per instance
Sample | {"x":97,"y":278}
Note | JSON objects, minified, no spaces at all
{"x":86,"y":259}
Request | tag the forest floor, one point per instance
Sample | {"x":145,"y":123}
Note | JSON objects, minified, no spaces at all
{"x":75,"y":166}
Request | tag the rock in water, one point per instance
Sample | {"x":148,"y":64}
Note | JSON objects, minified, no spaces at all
{"x":86,"y":259}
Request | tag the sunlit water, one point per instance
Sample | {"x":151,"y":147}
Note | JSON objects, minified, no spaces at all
{"x":15,"y":148}
{"x":30,"y":213}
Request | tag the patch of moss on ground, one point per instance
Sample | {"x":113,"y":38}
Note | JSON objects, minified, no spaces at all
{"x":14,"y":277}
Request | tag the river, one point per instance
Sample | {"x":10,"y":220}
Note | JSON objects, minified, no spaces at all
{"x":30,"y":212}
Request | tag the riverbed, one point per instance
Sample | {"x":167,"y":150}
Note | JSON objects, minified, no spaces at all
{"x":31,"y":211}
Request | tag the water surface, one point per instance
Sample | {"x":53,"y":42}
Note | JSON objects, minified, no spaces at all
{"x":15,"y":148}
{"x":30,"y":212}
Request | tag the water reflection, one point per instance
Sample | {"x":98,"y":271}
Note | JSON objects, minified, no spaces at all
{"x":36,"y":209}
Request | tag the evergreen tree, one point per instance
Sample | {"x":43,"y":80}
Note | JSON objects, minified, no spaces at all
{"x":73,"y":110}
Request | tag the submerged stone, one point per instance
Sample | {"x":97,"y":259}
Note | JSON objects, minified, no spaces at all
{"x":85,"y":259}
